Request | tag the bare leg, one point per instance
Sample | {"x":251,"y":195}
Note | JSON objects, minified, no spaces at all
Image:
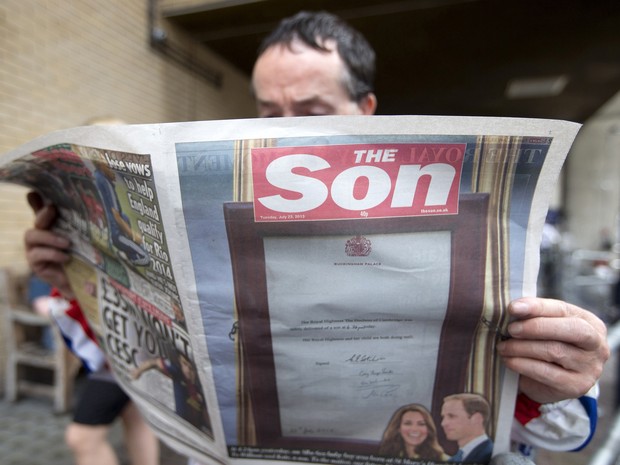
{"x":142,"y":444}
{"x":90,"y":445}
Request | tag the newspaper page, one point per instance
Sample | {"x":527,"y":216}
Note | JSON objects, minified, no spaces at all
{"x":304,"y":289}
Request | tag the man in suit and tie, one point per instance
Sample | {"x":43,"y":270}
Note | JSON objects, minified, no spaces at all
{"x":464,"y":419}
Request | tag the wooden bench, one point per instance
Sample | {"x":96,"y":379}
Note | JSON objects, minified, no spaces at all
{"x":25,"y":352}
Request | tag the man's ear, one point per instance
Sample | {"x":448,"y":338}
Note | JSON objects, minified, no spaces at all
{"x":479,"y":418}
{"x":368,"y":104}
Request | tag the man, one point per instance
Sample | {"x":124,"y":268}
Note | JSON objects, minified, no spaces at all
{"x":122,"y":238}
{"x":310,"y":65}
{"x":314,"y":64}
{"x":464,"y":419}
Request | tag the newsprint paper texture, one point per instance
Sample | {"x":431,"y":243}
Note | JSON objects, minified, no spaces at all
{"x":282,"y":290}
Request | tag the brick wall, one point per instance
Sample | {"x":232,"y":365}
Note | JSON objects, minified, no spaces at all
{"x":65,"y":62}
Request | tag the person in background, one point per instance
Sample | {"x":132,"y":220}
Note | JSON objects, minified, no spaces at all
{"x":315,"y":64}
{"x":39,"y":301}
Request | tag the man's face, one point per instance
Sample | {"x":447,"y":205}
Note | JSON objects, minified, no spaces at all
{"x":302,"y":81}
{"x":458,"y":425}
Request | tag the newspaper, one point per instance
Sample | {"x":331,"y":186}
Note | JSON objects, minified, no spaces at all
{"x":280,"y":289}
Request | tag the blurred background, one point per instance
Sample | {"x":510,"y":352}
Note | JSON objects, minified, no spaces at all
{"x":153,"y":61}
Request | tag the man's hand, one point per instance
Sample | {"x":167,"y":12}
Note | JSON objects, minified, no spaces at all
{"x":558,"y":349}
{"x":46,"y":251}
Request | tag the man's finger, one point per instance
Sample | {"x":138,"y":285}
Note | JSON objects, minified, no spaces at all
{"x":41,"y":238}
{"x":565,"y":355}
{"x":532,"y":307}
{"x":548,"y":382}
{"x":45,"y":217}
{"x":35,"y":201}
{"x":571,"y":330}
{"x":42,"y":257}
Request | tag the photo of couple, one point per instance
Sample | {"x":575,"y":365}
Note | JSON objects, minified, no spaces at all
{"x":411,"y":432}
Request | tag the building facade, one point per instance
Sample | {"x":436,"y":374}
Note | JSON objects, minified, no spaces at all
{"x":65,"y":63}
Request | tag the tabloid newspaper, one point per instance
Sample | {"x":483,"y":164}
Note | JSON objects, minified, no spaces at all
{"x":302,"y":289}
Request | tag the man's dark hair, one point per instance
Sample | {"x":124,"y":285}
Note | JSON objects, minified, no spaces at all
{"x":313,"y":29}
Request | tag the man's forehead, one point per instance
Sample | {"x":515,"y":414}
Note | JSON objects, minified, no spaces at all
{"x":453,"y":404}
{"x":300,"y":52}
{"x":281,"y":66}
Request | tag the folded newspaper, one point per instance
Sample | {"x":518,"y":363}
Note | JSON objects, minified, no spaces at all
{"x":289,"y":289}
